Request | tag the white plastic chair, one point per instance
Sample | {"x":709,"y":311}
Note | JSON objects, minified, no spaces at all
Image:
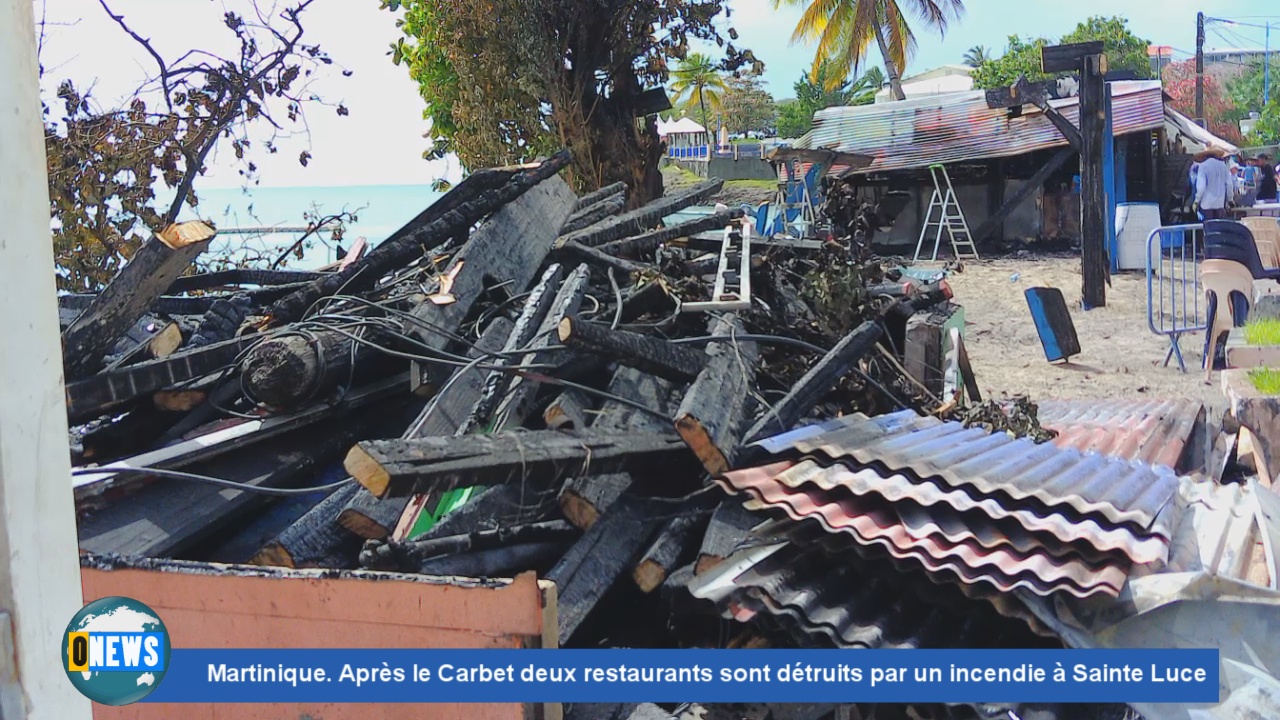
{"x":1220,"y":280}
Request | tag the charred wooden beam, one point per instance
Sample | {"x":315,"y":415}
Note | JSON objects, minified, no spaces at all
{"x":401,"y":249}
{"x":241,"y":276}
{"x":782,"y":415}
{"x":569,"y":411}
{"x":584,"y":499}
{"x":711,"y":416}
{"x":315,"y":540}
{"x":496,"y":562}
{"x":488,"y":539}
{"x":127,"y":297}
{"x":527,"y":328}
{"x":729,"y":526}
{"x":595,"y":258}
{"x":667,"y":551}
{"x":649,"y":298}
{"x":390,"y":468}
{"x":592,"y":198}
{"x":593,"y":214}
{"x":518,"y":403}
{"x":90,"y":398}
{"x":642,"y":218}
{"x":240,"y":435}
{"x":596,"y":561}
{"x":646,"y":354}
{"x":170,"y":517}
{"x":509,"y":248}
{"x":1034,"y":183}
{"x":286,"y":371}
{"x":637,"y":245}
{"x":374,"y":518}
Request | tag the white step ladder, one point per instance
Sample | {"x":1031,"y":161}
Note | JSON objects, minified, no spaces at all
{"x":949,"y":218}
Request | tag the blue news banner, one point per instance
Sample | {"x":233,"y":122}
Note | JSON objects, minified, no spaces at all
{"x":501,"y":676}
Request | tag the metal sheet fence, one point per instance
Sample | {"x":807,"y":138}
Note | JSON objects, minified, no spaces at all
{"x":1175,"y":298}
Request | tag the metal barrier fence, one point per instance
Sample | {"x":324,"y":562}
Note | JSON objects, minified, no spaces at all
{"x":693,"y":152}
{"x":1175,"y":298}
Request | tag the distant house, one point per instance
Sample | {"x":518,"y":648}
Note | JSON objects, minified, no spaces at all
{"x":938,"y":81}
{"x":685,"y":138}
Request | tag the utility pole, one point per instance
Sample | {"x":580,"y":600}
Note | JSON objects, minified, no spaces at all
{"x":1200,"y":69}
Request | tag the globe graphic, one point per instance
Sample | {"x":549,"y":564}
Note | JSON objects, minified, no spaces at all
{"x":116,"y":614}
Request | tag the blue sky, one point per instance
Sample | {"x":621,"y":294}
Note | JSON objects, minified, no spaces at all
{"x":381,"y":142}
{"x":989,"y":22}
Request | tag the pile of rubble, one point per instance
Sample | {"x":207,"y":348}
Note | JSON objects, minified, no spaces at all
{"x":524,"y":380}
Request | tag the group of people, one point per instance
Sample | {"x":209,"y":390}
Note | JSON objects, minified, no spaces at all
{"x":1220,"y":180}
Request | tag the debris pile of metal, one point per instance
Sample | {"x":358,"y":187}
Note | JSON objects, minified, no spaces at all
{"x":524,"y":380}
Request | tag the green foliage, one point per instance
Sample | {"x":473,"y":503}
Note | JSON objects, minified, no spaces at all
{"x":1246,"y":94}
{"x":1266,"y":380}
{"x":845,"y":29}
{"x":814,"y":93}
{"x":1246,"y":90}
{"x":698,"y":84}
{"x":1267,"y":130}
{"x":511,"y":80}
{"x":977,"y":55}
{"x":747,"y":107}
{"x":1124,"y":50}
{"x":1021,"y":58}
{"x":103,"y":164}
{"x":1262,"y":332}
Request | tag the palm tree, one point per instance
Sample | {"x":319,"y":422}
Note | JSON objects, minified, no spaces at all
{"x":977,"y":55}
{"x":844,"y":30}
{"x":865,"y":88}
{"x":698,"y":78}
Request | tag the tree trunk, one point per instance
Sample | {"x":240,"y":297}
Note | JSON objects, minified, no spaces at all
{"x":890,"y":68}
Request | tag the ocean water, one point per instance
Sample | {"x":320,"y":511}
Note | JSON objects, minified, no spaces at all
{"x":380,"y":211}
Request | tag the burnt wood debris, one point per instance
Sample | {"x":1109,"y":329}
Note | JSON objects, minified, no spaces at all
{"x":512,"y":382}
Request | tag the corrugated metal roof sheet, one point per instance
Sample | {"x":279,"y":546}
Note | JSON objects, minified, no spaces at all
{"x":897,"y":487}
{"x":992,"y":464}
{"x":853,"y":602}
{"x":966,"y":558}
{"x":1152,"y":431}
{"x":960,"y":127}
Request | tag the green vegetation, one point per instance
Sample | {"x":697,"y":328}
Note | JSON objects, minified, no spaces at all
{"x":844,"y":29}
{"x":795,"y":117}
{"x":510,"y":80}
{"x":698,"y":83}
{"x":1262,"y":332}
{"x":751,"y":184}
{"x":1124,"y":50}
{"x":1246,"y":94}
{"x":747,"y":107}
{"x":1266,"y":380}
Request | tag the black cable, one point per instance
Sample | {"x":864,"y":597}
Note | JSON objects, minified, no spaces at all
{"x":179,"y":475}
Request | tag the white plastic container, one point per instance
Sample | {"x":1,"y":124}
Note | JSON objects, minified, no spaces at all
{"x":1134,"y":222}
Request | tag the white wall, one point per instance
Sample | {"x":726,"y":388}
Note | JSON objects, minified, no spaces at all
{"x":39,"y":563}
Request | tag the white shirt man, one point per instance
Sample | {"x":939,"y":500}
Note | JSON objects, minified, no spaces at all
{"x":1214,"y":187}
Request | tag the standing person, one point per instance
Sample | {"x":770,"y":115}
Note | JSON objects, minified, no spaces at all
{"x":1266,"y":180}
{"x":1214,"y":186}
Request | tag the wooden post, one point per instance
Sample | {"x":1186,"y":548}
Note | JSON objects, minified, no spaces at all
{"x":39,"y":566}
{"x":1088,"y":58}
{"x":1095,"y":268}
{"x":150,"y":272}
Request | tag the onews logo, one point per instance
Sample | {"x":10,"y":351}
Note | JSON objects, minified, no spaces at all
{"x":116,"y":651}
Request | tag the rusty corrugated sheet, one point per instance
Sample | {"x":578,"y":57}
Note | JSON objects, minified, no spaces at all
{"x":897,"y":487}
{"x":992,"y":464}
{"x":853,"y":602}
{"x":967,"y":557}
{"x":959,"y":127}
{"x":1152,"y":431}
